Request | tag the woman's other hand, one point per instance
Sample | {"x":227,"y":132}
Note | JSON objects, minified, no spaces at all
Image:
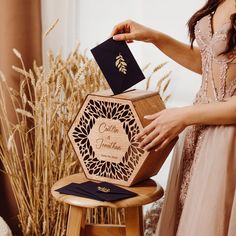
{"x":164,"y":127}
{"x":130,"y":31}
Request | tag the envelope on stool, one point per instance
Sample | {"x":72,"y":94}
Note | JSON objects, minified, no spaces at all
{"x":99,"y":191}
{"x":72,"y":189}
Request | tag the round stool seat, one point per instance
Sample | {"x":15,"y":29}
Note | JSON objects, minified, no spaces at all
{"x":148,"y":191}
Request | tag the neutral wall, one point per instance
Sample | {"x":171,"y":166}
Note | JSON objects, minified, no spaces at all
{"x":91,"y":22}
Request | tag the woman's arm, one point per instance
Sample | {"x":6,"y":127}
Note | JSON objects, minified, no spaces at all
{"x":179,"y":52}
{"x":169,"y":123}
{"x":218,"y":113}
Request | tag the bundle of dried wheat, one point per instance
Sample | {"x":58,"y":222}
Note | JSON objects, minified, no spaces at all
{"x":46,"y":106}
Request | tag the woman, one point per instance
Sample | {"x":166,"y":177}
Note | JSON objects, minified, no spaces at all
{"x":200,"y":198}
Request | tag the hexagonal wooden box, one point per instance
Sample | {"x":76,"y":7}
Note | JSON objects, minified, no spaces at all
{"x":103,"y":136}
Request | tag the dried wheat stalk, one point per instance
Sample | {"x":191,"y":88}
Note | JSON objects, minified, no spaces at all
{"x":162,"y":83}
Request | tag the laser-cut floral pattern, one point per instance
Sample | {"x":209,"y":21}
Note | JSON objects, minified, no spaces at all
{"x":115,"y":111}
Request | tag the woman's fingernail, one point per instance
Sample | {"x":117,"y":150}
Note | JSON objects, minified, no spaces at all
{"x":115,"y":37}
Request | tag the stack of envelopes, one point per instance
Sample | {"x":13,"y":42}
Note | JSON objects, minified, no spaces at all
{"x":99,"y":191}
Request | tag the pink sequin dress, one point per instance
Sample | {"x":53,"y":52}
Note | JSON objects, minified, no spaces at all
{"x":200,"y":198}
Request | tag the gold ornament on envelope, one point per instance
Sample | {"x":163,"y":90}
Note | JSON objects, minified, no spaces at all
{"x":121,"y":64}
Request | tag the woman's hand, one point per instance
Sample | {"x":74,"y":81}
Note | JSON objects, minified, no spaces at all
{"x":130,"y":31}
{"x":165,"y":126}
{"x":179,"y":52}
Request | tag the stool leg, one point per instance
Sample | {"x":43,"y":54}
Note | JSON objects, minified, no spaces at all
{"x":134,"y":221}
{"x":76,"y":221}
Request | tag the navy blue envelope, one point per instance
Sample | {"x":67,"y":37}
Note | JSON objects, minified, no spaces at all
{"x":72,"y":189}
{"x":118,"y":65}
{"x":99,"y":191}
{"x":106,"y":191}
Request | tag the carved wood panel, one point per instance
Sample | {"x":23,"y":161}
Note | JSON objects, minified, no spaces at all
{"x":115,"y":120}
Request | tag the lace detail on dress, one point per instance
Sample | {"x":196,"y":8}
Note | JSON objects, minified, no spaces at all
{"x":194,"y":137}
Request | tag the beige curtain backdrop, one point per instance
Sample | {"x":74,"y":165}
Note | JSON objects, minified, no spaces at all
{"x":20,"y":28}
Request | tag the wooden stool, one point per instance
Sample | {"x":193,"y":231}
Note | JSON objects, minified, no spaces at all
{"x":148,"y":191}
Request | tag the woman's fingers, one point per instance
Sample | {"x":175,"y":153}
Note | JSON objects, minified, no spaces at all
{"x":124,"y":37}
{"x":149,"y":138}
{"x":122,"y":27}
{"x":149,"y":127}
{"x":123,"y":32}
{"x":155,"y":142}
{"x":146,"y":130}
{"x":117,"y":29}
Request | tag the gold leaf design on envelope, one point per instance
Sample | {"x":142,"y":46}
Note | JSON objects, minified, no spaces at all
{"x":121,"y":64}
